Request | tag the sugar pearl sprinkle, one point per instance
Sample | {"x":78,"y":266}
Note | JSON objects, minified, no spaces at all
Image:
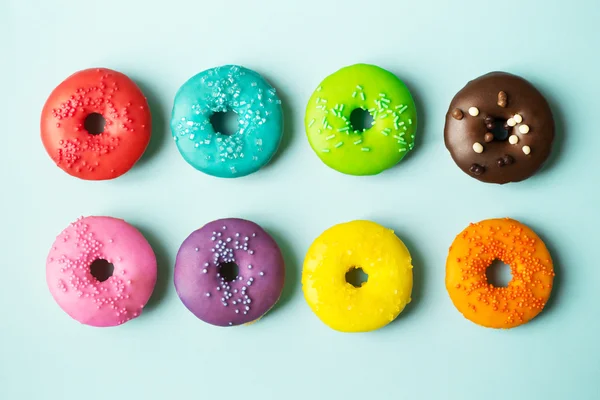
{"x":77,"y":280}
{"x":513,"y":139}
{"x":235,"y":295}
{"x":473,"y":111}
{"x":335,"y":126}
{"x":221,"y":92}
{"x":526,"y":150}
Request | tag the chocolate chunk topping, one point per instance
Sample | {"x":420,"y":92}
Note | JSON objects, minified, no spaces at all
{"x":502,"y":99}
{"x":457,"y":114}
{"x":508,"y":159}
{"x":477,"y":169}
{"x":488,"y":137}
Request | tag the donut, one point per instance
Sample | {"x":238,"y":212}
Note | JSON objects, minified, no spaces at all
{"x":219,"y":90}
{"x":343,"y":249}
{"x":101,"y":271}
{"x":513,"y":243}
{"x":347,"y":148}
{"x":93,"y":97}
{"x":229,"y":272}
{"x":499,"y":128}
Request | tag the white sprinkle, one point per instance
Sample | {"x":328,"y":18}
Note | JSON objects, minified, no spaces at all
{"x":513,"y":139}
{"x":524,"y":129}
{"x":518,"y":118}
{"x":197,"y":249}
{"x":526,"y":149}
{"x":261,"y":273}
{"x":207,"y":294}
{"x":477,"y":147}
{"x":511,"y":122}
{"x":474,"y":111}
{"x":237,"y":311}
{"x":204,"y":271}
{"x":249,"y":266}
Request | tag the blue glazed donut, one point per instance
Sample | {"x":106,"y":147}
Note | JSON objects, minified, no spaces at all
{"x":222,"y":89}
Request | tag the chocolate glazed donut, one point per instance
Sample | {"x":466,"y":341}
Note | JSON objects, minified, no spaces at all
{"x":499,"y":128}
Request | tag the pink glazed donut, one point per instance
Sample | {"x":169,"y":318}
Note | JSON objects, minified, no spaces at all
{"x":101,"y":271}
{"x":229,"y":272}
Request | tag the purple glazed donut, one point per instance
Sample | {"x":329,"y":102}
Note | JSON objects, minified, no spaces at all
{"x":229,"y":272}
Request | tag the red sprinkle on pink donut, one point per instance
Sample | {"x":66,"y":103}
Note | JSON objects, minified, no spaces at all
{"x":122,"y":292}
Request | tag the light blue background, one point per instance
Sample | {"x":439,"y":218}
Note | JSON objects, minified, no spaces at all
{"x":430,"y":351}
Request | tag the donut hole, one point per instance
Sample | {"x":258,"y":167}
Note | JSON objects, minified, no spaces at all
{"x":101,"y":269}
{"x":228,"y":271}
{"x":498,"y":274}
{"x":94,"y":124}
{"x":499,"y":129}
{"x":356,"y":277}
{"x":225,"y":122}
{"x":361,"y":120}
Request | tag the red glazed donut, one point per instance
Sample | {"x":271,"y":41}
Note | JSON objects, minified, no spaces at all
{"x":110,"y":152}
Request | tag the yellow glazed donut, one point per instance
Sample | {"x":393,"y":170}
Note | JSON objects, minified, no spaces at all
{"x":357,"y":245}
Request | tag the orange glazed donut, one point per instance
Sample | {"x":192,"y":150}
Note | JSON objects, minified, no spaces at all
{"x":513,"y":243}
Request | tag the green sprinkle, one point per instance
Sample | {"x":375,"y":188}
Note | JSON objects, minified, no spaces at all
{"x":375,"y":115}
{"x":324,"y":122}
{"x":353,"y":94}
{"x":397,"y":137}
{"x":396,"y":118}
{"x":341,"y":107}
{"x":321,"y":107}
{"x":356,"y":131}
{"x":312,"y":121}
{"x":410,"y":121}
{"x":404,"y":128}
{"x":319,"y":131}
{"x":318,"y":100}
{"x":371,"y":109}
{"x":399,"y":106}
{"x":401,"y":150}
{"x":359,"y":87}
{"x":383,"y":116}
{"x":344,"y":129}
{"x":325,"y":150}
{"x":319,"y":89}
{"x":329,"y":137}
{"x":403,"y":109}
{"x":412,"y":136}
{"x":339,"y":144}
{"x":384,"y":133}
{"x":384,"y":105}
{"x":359,"y":141}
{"x":329,"y":127}
{"x":411,"y":146}
{"x":365,"y":149}
{"x":381,"y":94}
{"x":386,"y":100}
{"x":401,"y":123}
{"x":362,"y":96}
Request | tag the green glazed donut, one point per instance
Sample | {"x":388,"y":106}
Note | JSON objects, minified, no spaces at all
{"x":372,"y":150}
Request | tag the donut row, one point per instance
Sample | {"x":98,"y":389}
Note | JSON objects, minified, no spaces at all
{"x":357,"y":276}
{"x":360,"y":120}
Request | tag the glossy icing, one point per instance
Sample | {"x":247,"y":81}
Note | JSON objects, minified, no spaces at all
{"x":369,"y":152}
{"x":115,"y":300}
{"x":380,"y":254}
{"x":221,"y":89}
